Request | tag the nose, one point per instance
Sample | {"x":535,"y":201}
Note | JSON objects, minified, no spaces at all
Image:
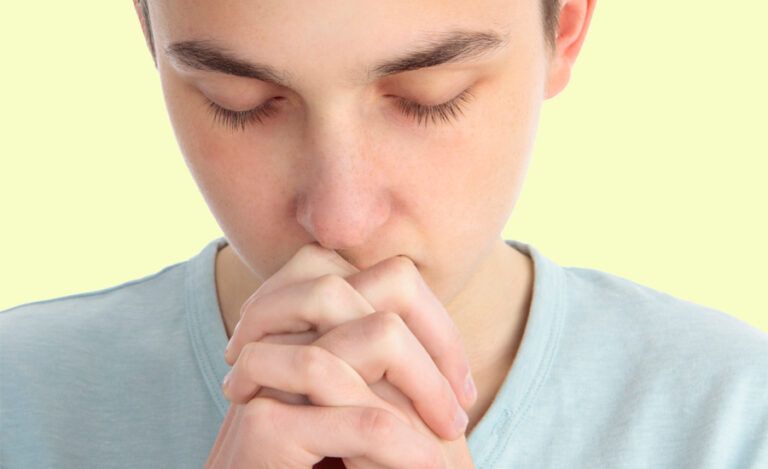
{"x":344,"y":198}
{"x":342,"y":212}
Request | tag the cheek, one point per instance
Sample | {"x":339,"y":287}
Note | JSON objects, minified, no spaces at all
{"x":241,"y":188}
{"x":480,"y":171}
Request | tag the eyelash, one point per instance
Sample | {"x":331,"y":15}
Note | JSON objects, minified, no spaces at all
{"x":444,"y":112}
{"x":241,"y":119}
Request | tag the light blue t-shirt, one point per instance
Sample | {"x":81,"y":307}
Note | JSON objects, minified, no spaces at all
{"x":609,"y":374}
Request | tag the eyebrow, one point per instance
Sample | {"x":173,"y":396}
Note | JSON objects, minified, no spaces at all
{"x":456,"y":46}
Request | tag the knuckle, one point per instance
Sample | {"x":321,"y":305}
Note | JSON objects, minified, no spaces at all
{"x":314,"y":363}
{"x":407,"y":276}
{"x":402,"y":266}
{"x":328,"y":290}
{"x":375,"y":424}
{"x":247,"y":357}
{"x":312,"y":252}
{"x":390,"y":320}
{"x":405,"y":261}
{"x":383,"y":326}
{"x":260,"y":417}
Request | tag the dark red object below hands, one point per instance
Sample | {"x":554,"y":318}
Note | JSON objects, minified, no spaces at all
{"x":330,"y":463}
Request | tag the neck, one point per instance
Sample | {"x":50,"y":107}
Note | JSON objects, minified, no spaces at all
{"x":491,"y":313}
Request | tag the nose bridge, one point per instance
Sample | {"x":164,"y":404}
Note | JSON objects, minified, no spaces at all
{"x":332,"y":130}
{"x":344,"y":199}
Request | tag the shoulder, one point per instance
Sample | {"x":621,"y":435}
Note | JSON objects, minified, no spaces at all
{"x":602,"y":296}
{"x":637,"y":327}
{"x":692,"y":377}
{"x":57,"y":319}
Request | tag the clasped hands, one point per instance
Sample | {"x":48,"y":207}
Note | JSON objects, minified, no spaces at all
{"x":331,"y":361}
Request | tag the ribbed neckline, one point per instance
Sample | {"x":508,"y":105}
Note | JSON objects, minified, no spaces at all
{"x":537,"y":350}
{"x":515,"y":396}
{"x":205,"y":325}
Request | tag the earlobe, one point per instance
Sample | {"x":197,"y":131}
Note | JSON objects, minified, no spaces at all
{"x":574,"y":20}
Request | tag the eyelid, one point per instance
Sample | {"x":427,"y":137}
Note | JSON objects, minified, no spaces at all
{"x":239,"y":119}
{"x":445,"y":111}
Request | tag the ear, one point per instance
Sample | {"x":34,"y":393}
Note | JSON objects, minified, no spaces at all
{"x":575,"y":16}
{"x":139,"y":6}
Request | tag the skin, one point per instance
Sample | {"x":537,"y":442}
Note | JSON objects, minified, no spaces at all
{"x":341,"y":166}
{"x":380,"y":322}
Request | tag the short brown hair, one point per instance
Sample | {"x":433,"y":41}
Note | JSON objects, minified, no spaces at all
{"x":551,"y":18}
{"x":550,"y":10}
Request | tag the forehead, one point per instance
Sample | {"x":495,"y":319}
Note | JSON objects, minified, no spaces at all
{"x":348,"y":34}
{"x":315,"y":16}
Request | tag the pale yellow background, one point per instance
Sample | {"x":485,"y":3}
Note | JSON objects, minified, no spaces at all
{"x":650,"y":165}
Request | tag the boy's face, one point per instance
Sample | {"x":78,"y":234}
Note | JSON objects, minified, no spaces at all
{"x":337,"y":160}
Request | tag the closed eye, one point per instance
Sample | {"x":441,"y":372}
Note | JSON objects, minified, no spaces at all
{"x":440,"y":113}
{"x":241,"y":119}
{"x":445,"y":112}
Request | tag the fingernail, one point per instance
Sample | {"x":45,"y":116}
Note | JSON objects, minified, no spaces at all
{"x":461,"y":420}
{"x":470,"y":391}
{"x":225,"y":384}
